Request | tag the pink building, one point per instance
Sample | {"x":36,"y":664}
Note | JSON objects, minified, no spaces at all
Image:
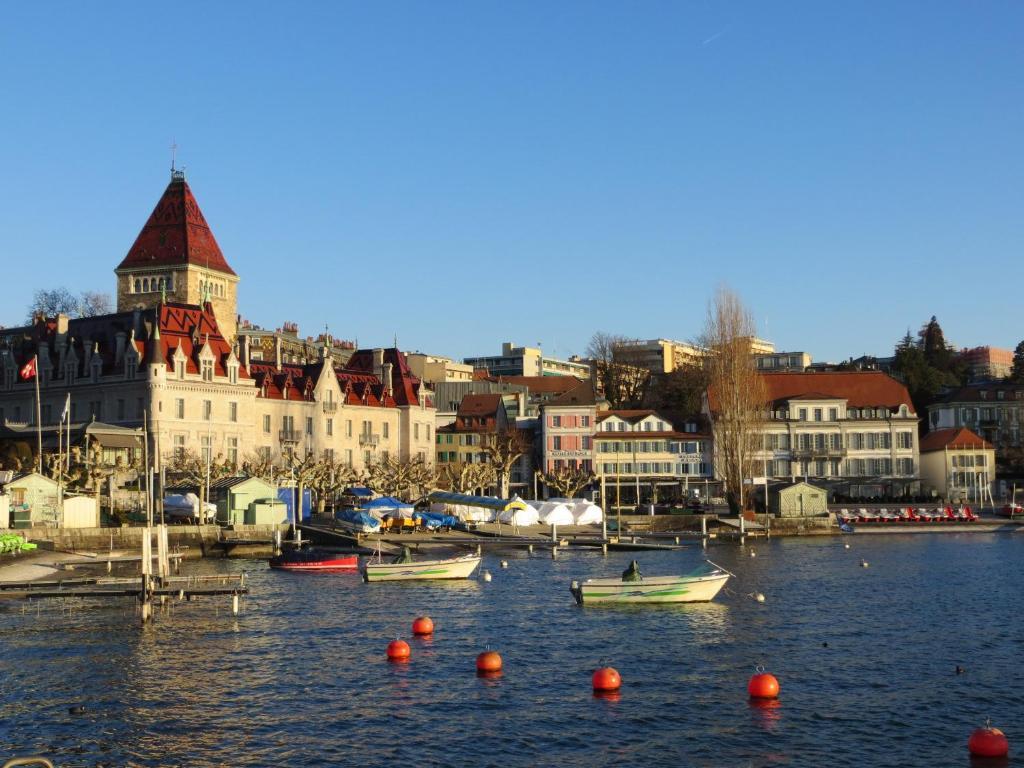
{"x":567,"y":430}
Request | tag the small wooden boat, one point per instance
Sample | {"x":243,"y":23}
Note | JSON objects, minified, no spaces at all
{"x":314,"y":560}
{"x":452,"y":568}
{"x":697,"y":587}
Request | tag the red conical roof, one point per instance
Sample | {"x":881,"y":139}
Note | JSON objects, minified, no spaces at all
{"x":176,"y":233}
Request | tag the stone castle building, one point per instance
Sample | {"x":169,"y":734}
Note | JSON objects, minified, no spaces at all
{"x":169,"y":359}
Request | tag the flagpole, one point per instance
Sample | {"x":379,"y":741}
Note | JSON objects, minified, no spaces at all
{"x":39,"y":416}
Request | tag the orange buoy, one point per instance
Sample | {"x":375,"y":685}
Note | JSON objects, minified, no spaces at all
{"x":488,"y":663}
{"x":607,"y":679}
{"x":424,"y":625}
{"x":763,"y":685}
{"x":988,"y":742}
{"x":398,"y":650}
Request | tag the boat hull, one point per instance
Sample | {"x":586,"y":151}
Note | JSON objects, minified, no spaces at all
{"x":660,"y":589}
{"x":347,"y":563}
{"x":455,"y":568}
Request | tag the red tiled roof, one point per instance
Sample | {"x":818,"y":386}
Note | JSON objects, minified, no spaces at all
{"x":405,"y":386}
{"x":858,"y":388}
{"x":941,"y":439}
{"x":541,"y":384}
{"x":176,"y":233}
{"x":479,"y":405}
{"x":189,"y":327}
{"x":973,"y":393}
{"x":581,"y":395}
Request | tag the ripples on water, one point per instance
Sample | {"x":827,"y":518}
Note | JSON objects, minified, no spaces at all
{"x":299,"y":678}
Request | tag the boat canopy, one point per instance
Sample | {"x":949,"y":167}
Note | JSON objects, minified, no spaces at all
{"x":484,"y":502}
{"x":386,"y":503}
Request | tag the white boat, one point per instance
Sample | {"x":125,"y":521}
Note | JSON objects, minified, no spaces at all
{"x":691,"y":588}
{"x":452,"y":568}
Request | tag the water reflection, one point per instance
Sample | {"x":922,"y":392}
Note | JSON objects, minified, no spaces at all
{"x":300,"y":677}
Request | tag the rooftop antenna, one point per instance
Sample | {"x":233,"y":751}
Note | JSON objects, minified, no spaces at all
{"x":174,"y":151}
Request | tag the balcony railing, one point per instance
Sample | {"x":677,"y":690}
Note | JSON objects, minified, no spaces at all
{"x":290,"y":435}
{"x":819,"y":453}
{"x":371,"y":440}
{"x":330,"y":406}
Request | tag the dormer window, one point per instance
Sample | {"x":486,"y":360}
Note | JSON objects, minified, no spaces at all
{"x":207,"y":370}
{"x":131,"y":366}
{"x":233,"y":373}
{"x":95,"y":367}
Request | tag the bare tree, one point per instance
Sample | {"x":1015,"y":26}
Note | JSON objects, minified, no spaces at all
{"x":261,"y":465}
{"x":622,"y":381}
{"x":329,"y":479}
{"x":93,"y":303}
{"x":737,"y":397}
{"x":61,"y":301}
{"x":458,"y":477}
{"x":503,"y":449}
{"x":189,"y":468}
{"x":406,"y":479}
{"x":567,"y":481}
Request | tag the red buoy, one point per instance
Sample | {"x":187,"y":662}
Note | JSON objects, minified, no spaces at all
{"x":488,"y":663}
{"x":424,"y":625}
{"x":398,"y":650}
{"x":607,"y":679}
{"x":988,"y":742}
{"x":763,"y":685}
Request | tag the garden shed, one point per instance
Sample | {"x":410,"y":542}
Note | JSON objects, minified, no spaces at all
{"x":799,"y":499}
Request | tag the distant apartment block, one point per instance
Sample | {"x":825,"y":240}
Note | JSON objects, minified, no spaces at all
{"x":529,"y":361}
{"x":666,"y":355}
{"x":434,"y":369}
{"x":987,"y":363}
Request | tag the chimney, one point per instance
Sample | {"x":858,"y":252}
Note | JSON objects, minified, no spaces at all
{"x":388,"y":386}
{"x":277,"y":352}
{"x":246,"y":343}
{"x":87,"y":352}
{"x":120,"y":337}
{"x":378,"y":362}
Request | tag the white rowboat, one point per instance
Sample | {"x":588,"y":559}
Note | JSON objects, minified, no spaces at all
{"x":692,"y":588}
{"x":453,"y":568}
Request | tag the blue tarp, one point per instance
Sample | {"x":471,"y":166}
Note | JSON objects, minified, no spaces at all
{"x":386,"y":502}
{"x":434,"y":520}
{"x":359,"y":491}
{"x":287,"y":495}
{"x":360,"y":521}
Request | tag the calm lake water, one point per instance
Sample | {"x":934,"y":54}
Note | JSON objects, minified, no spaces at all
{"x":299,"y":678}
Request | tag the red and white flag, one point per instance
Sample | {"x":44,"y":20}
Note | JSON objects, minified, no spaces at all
{"x":29,"y":371}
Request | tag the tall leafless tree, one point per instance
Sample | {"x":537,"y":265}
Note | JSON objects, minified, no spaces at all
{"x":623,"y":382}
{"x":503,"y":449}
{"x":737,"y":396}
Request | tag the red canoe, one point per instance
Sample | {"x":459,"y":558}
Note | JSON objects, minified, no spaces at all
{"x":312,"y":560}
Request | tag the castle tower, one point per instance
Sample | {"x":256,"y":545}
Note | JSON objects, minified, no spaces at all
{"x":176,"y":258}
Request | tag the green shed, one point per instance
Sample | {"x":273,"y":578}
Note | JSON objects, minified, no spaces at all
{"x":233,"y":495}
{"x":33,"y":500}
{"x":797,"y":500}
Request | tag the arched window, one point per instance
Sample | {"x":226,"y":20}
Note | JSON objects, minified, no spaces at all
{"x":145,"y":284}
{"x":138,"y":285}
{"x":160,"y":284}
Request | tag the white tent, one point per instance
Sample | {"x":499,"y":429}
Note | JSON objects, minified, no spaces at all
{"x":526,"y":516}
{"x":474,"y":514}
{"x":586,"y":513}
{"x":556,"y":513}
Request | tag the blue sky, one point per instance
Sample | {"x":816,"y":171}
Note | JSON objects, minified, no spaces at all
{"x":460,"y":174}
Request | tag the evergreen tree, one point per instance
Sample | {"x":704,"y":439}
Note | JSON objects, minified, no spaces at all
{"x":1017,"y":372}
